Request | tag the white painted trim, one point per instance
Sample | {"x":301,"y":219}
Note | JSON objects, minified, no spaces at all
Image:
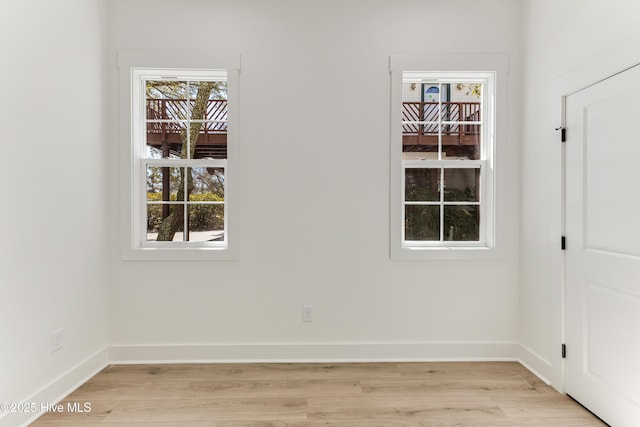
{"x":314,"y":352}
{"x":449,"y":62}
{"x":58,"y":389}
{"x":597,"y":68}
{"x":494,"y":187}
{"x":178,"y":58}
{"x":535,"y":363}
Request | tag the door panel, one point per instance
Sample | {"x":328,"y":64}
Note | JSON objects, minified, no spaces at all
{"x":603,"y":248}
{"x":606,"y":309}
{"x":611,"y":133}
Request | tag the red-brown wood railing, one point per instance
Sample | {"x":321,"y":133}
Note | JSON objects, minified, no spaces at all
{"x":455,"y":112}
{"x":176,"y":111}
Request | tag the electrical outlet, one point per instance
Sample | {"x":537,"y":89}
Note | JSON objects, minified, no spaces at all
{"x":307,"y":313}
{"x":56,"y":340}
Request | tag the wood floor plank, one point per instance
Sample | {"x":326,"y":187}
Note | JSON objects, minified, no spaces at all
{"x":204,"y":389}
{"x":435,"y":385}
{"x":281,"y":371}
{"x":531,"y":422}
{"x":542,"y":407}
{"x":99,"y":411}
{"x":209,"y":410}
{"x":321,"y":371}
{"x":452,"y":370}
{"x":420,"y":407}
{"x":457,"y":394}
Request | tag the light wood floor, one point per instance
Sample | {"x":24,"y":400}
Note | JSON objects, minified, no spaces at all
{"x":345,"y":394}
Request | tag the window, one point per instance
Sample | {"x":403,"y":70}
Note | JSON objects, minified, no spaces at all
{"x":444,"y":158}
{"x":443,"y":162}
{"x":180,"y":126}
{"x":182,"y":145}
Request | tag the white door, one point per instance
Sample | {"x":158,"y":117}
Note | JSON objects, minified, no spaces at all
{"x":603,"y":248}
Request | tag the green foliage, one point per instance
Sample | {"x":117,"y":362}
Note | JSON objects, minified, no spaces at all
{"x":202,"y":217}
{"x":424,"y":193}
{"x":461,"y":223}
{"x":459,"y":195}
{"x":422,"y":223}
{"x":474,"y":89}
{"x":421,"y":193}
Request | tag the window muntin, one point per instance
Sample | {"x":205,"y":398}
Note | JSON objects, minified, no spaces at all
{"x":446,"y":158}
{"x":181,"y":117}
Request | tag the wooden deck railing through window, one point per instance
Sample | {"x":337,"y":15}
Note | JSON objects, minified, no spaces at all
{"x":458,"y":122}
{"x":166,"y":121}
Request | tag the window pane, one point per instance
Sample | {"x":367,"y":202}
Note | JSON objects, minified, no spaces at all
{"x":155,"y":222}
{"x":462,"y":223}
{"x":420,"y":107}
{"x":210,"y":139}
{"x":167,"y":100}
{"x":411,"y":111}
{"x":207,"y":184}
{"x":422,"y":185}
{"x":421,"y":155}
{"x":462,"y":107}
{"x":422,"y":223}
{"x":154,"y":219}
{"x":201,"y":97}
{"x":411,"y":92}
{"x":170,"y":106}
{"x":461,"y":141}
{"x":206,"y":222}
{"x":431,"y":112}
{"x":461,"y":185}
{"x":154,"y":183}
{"x":164,"y":140}
{"x":163,"y":183}
{"x":420,"y":137}
{"x":215,"y":89}
{"x":467,"y":97}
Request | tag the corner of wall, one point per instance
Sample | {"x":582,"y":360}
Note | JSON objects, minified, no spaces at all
{"x":52,"y":393}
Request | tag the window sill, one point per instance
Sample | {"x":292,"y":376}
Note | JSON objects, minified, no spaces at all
{"x":183,"y":254}
{"x":450,"y":253}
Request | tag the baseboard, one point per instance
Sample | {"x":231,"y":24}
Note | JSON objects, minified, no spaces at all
{"x":58,"y":389}
{"x":535,"y":363}
{"x":314,"y":352}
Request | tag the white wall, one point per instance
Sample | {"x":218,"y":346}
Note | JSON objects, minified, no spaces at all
{"x":558,"y":37}
{"x":53,"y":248}
{"x":314,"y":188}
{"x":307,"y":237}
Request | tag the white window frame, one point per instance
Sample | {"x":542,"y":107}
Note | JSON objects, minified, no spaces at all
{"x":136,"y":66}
{"x":491,"y":71}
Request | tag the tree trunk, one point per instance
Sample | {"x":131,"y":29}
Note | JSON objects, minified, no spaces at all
{"x":172,"y":223}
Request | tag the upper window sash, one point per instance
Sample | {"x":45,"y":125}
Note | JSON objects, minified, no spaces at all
{"x":139,"y":79}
